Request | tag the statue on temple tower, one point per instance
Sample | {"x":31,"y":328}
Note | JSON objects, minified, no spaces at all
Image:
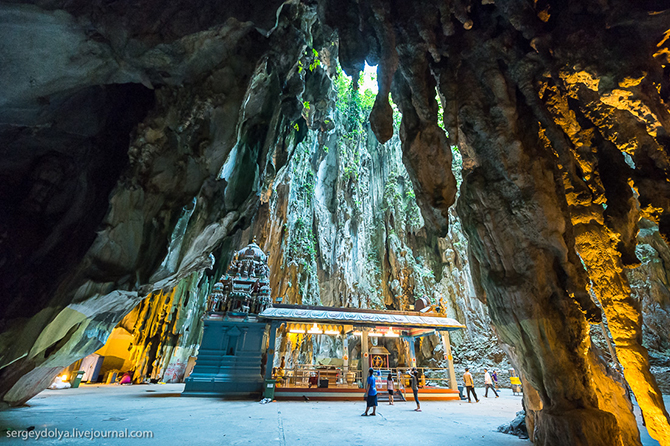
{"x":216,"y":297}
{"x":245,"y":288}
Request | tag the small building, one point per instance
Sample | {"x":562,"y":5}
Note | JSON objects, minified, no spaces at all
{"x":345,"y":382}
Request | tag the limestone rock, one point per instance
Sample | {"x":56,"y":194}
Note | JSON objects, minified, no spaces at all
{"x":97,"y":219}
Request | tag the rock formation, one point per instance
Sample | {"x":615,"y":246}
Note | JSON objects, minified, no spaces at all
{"x":132,"y":147}
{"x":649,"y":286}
{"x":140,"y":137}
{"x":167,"y":329}
{"x":342,"y":228}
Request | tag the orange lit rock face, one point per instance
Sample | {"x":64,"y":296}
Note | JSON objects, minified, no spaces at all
{"x":547,"y":330}
{"x":598,"y":233}
{"x":166,"y":329}
{"x":548,"y":208}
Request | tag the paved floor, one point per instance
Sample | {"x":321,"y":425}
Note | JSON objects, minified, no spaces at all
{"x":202,"y":421}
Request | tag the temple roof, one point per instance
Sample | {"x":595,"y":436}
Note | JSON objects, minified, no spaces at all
{"x":360,"y":317}
{"x":252,"y":251}
{"x":379,"y":350}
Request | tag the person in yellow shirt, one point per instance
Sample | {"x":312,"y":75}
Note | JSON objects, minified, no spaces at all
{"x":469,"y":384}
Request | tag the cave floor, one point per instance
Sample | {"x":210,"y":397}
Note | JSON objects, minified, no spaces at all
{"x":180,"y":420}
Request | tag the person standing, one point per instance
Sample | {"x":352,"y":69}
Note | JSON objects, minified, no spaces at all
{"x":390,"y":387}
{"x":469,"y":384}
{"x":415,"y":388}
{"x":488,"y":383}
{"x":370,"y":394}
{"x":494,"y":376}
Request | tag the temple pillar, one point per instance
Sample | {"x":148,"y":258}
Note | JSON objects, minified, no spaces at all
{"x":365,"y":356}
{"x":412,"y":352}
{"x":271,"y":350}
{"x":453,"y":385}
{"x":345,"y":354}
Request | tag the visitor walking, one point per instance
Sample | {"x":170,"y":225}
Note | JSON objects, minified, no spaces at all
{"x":370,"y":394}
{"x":488,"y":383}
{"x":494,"y":376}
{"x":390,"y":387}
{"x":415,"y":387}
{"x":469,"y":384}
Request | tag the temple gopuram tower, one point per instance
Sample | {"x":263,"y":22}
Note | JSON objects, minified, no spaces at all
{"x":229,"y":359}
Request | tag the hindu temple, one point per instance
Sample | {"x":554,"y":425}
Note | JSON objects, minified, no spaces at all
{"x":240,"y":331}
{"x":234,"y":341}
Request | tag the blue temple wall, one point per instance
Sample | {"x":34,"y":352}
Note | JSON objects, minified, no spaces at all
{"x":229,"y":360}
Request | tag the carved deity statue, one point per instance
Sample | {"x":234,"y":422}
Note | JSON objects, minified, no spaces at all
{"x":245,"y":288}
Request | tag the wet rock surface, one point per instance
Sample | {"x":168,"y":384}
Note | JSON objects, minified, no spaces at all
{"x":516,"y":427}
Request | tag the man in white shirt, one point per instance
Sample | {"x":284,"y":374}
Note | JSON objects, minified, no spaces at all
{"x":488,"y":382}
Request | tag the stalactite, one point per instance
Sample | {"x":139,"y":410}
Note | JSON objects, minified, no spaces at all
{"x":597,"y":245}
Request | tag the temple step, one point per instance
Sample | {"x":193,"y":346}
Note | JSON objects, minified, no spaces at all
{"x":383,"y":396}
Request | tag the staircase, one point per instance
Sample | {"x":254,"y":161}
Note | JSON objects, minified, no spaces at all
{"x":383,"y":396}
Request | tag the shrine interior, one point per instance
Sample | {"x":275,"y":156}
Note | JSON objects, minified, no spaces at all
{"x":228,"y":194}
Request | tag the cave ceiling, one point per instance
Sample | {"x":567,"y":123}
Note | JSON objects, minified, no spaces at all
{"x":136,"y":137}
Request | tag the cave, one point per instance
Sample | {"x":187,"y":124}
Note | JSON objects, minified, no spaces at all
{"x":509,"y":160}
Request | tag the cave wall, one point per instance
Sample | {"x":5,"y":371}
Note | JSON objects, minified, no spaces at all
{"x":166,"y":330}
{"x":342,"y":227}
{"x":545,"y":101}
{"x":649,"y":286}
{"x":121,"y":129}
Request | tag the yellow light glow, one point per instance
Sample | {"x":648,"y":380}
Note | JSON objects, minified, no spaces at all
{"x":63,"y":378}
{"x":391,"y":334}
{"x":296,"y":328}
{"x":331,"y":330}
{"x":314,"y":330}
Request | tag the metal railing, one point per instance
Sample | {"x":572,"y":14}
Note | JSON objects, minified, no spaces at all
{"x":304,"y":375}
{"x":433,"y":377}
